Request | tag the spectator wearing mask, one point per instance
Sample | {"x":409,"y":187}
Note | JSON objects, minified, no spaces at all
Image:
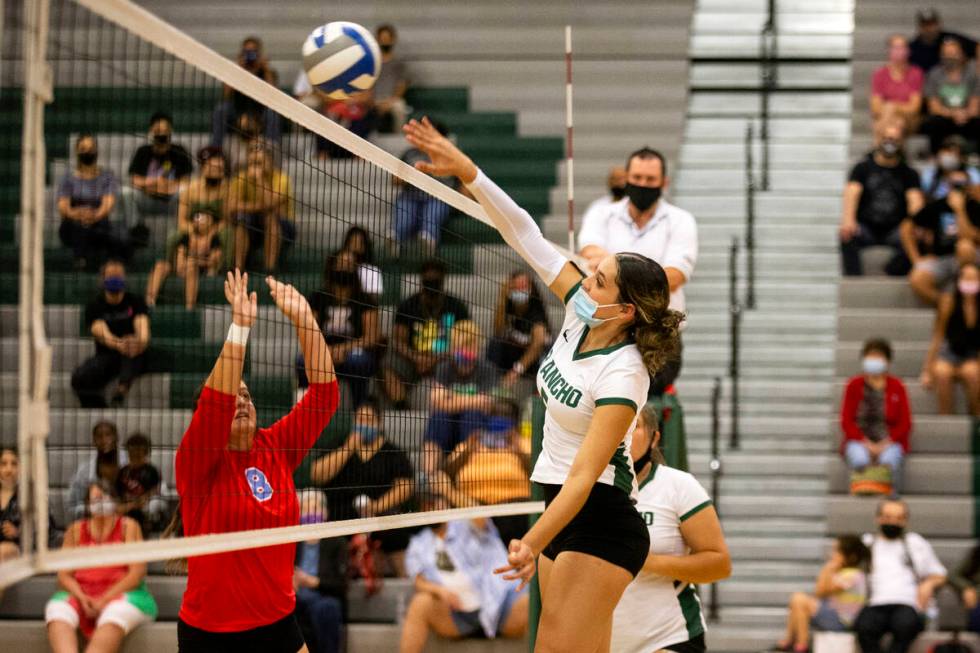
{"x":320,"y":579}
{"x":952,"y":227}
{"x":875,"y":415}
{"x":101,"y":465}
{"x":966,"y":580}
{"x":896,"y":87}
{"x":261,"y":202}
{"x":104,"y":603}
{"x":520,"y":329}
{"x":252,"y":58}
{"x":86,"y":197}
{"x":120,"y":325}
{"x":952,"y":93}
{"x":841,"y":591}
{"x":925,"y":47}
{"x":348,"y":318}
{"x":955,"y":344}
{"x":949,"y":160}
{"x":882,"y":190}
{"x":391,"y":85}
{"x":357,"y":241}
{"x":416,"y":213}
{"x":903,"y":578}
{"x":158,"y":169}
{"x":421,"y":335}
{"x":368,"y":476}
{"x":139,"y":486}
{"x":616,"y":183}
{"x":456,"y":593}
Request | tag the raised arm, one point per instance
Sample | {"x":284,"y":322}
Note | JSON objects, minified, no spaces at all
{"x":226,"y":375}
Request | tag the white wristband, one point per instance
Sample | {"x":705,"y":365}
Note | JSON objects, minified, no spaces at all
{"x":238,"y":334}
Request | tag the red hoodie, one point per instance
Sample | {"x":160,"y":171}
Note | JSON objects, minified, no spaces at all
{"x":898,"y":416}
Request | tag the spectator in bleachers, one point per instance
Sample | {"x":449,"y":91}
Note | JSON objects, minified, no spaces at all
{"x":104,"y":603}
{"x":320,"y":579}
{"x":368,"y":476}
{"x":199,"y":254}
{"x":955,"y":344}
{"x":421,"y":336}
{"x":208,"y":191}
{"x":904,"y":576}
{"x":101,"y":465}
{"x":86,"y":197}
{"x":245,"y":137}
{"x":348,"y":318}
{"x":875,"y":416}
{"x":120,"y":325}
{"x":416,"y":213}
{"x":392,"y":83}
{"x":520,"y":329}
{"x":354,"y":114}
{"x":252,"y":58}
{"x":261,"y":202}
{"x":357,"y":241}
{"x":456,"y":593}
{"x":952,"y":93}
{"x":966,"y":581}
{"x":925,"y":47}
{"x":896,"y":87}
{"x":616,"y":183}
{"x":882,"y":190}
{"x":158,"y":169}
{"x":9,"y":508}
{"x":949,"y":160}
{"x":950,"y":227}
{"x":139,"y":486}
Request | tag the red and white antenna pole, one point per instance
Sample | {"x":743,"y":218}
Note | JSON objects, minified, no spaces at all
{"x":569,"y":168}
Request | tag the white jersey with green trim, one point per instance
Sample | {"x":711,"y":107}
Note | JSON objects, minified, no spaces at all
{"x":573,"y":385}
{"x":656,"y":611}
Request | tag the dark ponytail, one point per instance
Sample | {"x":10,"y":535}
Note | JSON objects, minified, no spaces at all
{"x":656,"y":327}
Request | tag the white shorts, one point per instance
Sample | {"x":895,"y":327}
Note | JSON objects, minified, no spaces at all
{"x":120,"y":612}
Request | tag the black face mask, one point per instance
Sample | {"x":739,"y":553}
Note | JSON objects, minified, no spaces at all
{"x":643,"y":197}
{"x":87,"y":158}
{"x":890,"y":147}
{"x":212,"y":182}
{"x":385,"y":49}
{"x":161,"y":139}
{"x":892,"y":531}
{"x":641,"y":462}
{"x":432,"y":285}
{"x":344,"y":278}
{"x":618,"y":192}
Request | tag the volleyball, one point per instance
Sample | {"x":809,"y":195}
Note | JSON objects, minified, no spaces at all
{"x":341,"y":58}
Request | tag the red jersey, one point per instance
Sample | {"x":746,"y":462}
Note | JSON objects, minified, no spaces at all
{"x":223,"y":491}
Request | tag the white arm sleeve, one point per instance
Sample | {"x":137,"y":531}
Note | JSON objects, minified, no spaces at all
{"x":518,"y":228}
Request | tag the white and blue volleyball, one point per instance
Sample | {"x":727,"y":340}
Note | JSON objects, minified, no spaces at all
{"x":341,"y":58}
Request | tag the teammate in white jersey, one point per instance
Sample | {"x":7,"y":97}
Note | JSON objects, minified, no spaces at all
{"x":660,"y":610}
{"x":590,"y":542}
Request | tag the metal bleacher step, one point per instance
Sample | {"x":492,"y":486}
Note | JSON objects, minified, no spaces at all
{"x":922,"y":474}
{"x":929,"y":514}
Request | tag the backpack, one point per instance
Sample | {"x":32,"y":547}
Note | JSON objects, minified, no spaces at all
{"x":873,"y":479}
{"x":951,"y":646}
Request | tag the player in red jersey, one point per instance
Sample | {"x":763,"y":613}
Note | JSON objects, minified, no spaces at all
{"x":233,"y":476}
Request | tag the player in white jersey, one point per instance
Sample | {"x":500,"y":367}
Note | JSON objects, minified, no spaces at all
{"x":590,"y":542}
{"x":660,"y":610}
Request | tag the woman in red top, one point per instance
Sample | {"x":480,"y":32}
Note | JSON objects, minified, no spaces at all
{"x":896,"y":87}
{"x":233,"y":476}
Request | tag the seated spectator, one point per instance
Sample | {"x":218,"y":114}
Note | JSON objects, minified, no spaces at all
{"x":882,"y":190}
{"x":875,"y":415}
{"x":905,"y":574}
{"x":368,"y":476}
{"x":104,"y":603}
{"x":9,"y":509}
{"x":416,"y":213}
{"x":261,"y":203}
{"x":457,"y":595}
{"x":234,"y":104}
{"x":357,"y":241}
{"x":86,"y":197}
{"x":616,"y":183}
{"x":139,"y":485}
{"x":354,"y":114}
{"x":102,"y":464}
{"x":208,"y":192}
{"x":896,"y":87}
{"x":925,"y":47}
{"x":520,"y":329}
{"x":320,"y":579}
{"x":953,"y":98}
{"x":460,"y":399}
{"x":949,"y":160}
{"x":199,"y":254}
{"x":390,"y":87}
{"x":120,"y":325}
{"x":842,"y":589}
{"x":951,"y":228}
{"x":421,"y":336}
{"x":158,"y":169}
{"x":348,"y":318}
{"x":966,"y":580}
{"x":955,"y":344}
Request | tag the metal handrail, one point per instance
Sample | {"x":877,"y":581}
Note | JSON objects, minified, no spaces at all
{"x":749,"y":217}
{"x":735,"y":313}
{"x":768,"y":55}
{"x":715,"y":467}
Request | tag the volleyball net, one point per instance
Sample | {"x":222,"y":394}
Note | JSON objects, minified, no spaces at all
{"x":165,"y":165}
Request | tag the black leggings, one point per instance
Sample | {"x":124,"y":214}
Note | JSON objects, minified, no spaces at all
{"x":902,"y":621}
{"x":693,"y":645}
{"x":283,"y":636}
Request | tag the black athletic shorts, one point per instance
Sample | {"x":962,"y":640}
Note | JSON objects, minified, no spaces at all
{"x":695,"y":645}
{"x":283,"y":636}
{"x":607,"y":527}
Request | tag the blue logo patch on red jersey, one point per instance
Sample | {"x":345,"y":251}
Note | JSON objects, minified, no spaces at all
{"x":258,"y":484}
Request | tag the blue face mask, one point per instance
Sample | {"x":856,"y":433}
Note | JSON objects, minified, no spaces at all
{"x":315,"y":518}
{"x":368,"y":433}
{"x":585,"y":308}
{"x":519,"y":296}
{"x":114,"y":284}
{"x":874,"y":366}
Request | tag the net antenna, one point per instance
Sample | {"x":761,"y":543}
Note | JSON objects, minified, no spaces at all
{"x":569,"y":131}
